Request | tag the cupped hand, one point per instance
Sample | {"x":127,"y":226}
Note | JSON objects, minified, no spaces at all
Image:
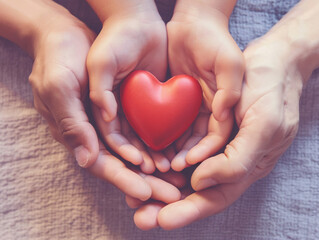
{"x":135,"y":184}
{"x":126,"y":42}
{"x":60,"y":86}
{"x":267,"y":115}
{"x":60,"y":83}
{"x":200,"y":45}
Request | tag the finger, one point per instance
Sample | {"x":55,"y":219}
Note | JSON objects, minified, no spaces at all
{"x":170,"y":152}
{"x":179,"y":163}
{"x":201,"y":204}
{"x":199,"y":131}
{"x":162,"y":190}
{"x":71,"y":121}
{"x":133,"y":202}
{"x":113,"y":170}
{"x":242,"y":154}
{"x":175,"y":178}
{"x":160,"y":160}
{"x":43,"y":110}
{"x":147,"y":166}
{"x":217,"y":137}
{"x":158,"y":182}
{"x":183,"y":139}
{"x":111,"y":134}
{"x":145,"y":218}
{"x":102,"y":68}
{"x":229,"y":70}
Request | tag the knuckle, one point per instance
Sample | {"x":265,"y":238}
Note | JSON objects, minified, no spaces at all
{"x":237,"y":168}
{"x":98,"y":59}
{"x":234,"y":61}
{"x":55,"y":134}
{"x":68,"y":128}
{"x":58,"y":82}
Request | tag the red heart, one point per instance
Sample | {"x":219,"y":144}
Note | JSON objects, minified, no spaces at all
{"x":160,"y":112}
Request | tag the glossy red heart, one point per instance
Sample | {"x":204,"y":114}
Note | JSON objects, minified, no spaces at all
{"x":160,"y":112}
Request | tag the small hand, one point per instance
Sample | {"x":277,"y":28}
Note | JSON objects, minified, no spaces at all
{"x":134,"y":183}
{"x":200,"y":45}
{"x":124,"y":44}
{"x":267,"y":115}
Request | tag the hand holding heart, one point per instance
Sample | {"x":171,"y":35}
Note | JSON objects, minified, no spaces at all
{"x":126,"y":44}
{"x":200,"y":46}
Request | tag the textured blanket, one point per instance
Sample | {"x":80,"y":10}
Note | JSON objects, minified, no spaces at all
{"x":45,"y":195}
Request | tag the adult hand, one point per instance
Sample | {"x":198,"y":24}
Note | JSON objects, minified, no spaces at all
{"x":200,"y":45}
{"x":267,"y":115}
{"x":60,"y":86}
{"x":132,"y":37}
{"x":60,"y":82}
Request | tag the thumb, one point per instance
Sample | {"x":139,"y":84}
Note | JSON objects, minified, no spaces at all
{"x":229,"y":70}
{"x":76,"y":132}
{"x":241,"y":155}
{"x":102,"y":67}
{"x":80,"y":138}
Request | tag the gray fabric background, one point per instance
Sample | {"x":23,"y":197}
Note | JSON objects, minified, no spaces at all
{"x":44,"y":195}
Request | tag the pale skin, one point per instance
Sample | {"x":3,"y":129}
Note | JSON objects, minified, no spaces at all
{"x":200,"y":45}
{"x":138,"y":26}
{"x":277,"y":67}
{"x":59,"y":44}
{"x":48,"y":42}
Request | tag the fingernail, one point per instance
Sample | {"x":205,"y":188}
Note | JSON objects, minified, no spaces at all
{"x":82,"y":156}
{"x":205,"y":183}
{"x":224,"y":115}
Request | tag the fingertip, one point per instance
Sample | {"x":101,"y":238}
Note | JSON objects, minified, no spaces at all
{"x":106,"y":102}
{"x":179,"y":163}
{"x":224,"y":115}
{"x":145,"y":192}
{"x":133,"y":202}
{"x":147,"y":168}
{"x":196,"y":154}
{"x":82,"y":156}
{"x":160,"y":161}
{"x":222,"y":105}
{"x":203,"y":183}
{"x":110,"y":106}
{"x":145,"y":218}
{"x":107,"y":117}
{"x":164,"y":166}
{"x":131,"y":154}
{"x":177,"y":215}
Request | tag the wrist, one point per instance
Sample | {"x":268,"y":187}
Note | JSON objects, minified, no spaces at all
{"x":141,"y":9}
{"x":26,"y":21}
{"x":53,"y":24}
{"x":297,"y":37}
{"x":206,"y":8}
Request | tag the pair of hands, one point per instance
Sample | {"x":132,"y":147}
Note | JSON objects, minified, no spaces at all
{"x":201,"y":46}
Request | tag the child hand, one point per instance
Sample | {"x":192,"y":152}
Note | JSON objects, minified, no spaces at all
{"x":131,"y":38}
{"x":200,"y":45}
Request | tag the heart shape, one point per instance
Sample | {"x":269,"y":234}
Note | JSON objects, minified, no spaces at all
{"x":160,"y":112}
